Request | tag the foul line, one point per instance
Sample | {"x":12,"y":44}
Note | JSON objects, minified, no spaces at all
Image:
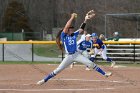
{"x":33,"y":90}
{"x":85,"y":80}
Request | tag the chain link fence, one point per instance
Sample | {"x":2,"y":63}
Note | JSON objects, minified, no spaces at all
{"x":21,"y":36}
{"x":51,"y":53}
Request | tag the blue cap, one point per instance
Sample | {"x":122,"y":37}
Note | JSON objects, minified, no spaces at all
{"x":94,"y":35}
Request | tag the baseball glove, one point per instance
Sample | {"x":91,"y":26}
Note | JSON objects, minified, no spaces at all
{"x":91,"y":52}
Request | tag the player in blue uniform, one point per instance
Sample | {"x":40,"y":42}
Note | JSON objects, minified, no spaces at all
{"x":68,"y":38}
{"x":100,"y":49}
{"x":86,"y":44}
{"x":84,"y":47}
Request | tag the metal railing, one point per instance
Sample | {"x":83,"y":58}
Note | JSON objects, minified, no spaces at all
{"x":117,"y":50}
{"x":127,"y":53}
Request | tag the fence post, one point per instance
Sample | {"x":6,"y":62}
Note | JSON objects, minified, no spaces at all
{"x":134,"y":53}
{"x":3,"y":52}
{"x":32,"y":52}
{"x":62,"y":55}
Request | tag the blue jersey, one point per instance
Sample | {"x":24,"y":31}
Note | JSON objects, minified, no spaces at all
{"x":98,"y":44}
{"x":69,"y":42}
{"x":84,"y":45}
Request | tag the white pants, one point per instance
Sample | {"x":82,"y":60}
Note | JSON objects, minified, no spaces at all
{"x":69,"y":59}
{"x":84,"y":53}
{"x":103,"y":53}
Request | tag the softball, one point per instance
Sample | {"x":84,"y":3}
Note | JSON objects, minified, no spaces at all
{"x":75,"y":15}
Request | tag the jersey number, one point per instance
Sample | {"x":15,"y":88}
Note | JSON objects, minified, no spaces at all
{"x":71,"y":42}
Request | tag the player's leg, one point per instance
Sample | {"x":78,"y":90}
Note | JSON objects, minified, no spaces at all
{"x":80,"y":58}
{"x":96,"y":51}
{"x":104,"y":56}
{"x":86,"y":54}
{"x":66,"y":62}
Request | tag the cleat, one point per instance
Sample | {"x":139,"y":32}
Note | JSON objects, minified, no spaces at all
{"x":107,"y":74}
{"x":113,"y":64}
{"x":41,"y":82}
{"x":88,"y":69}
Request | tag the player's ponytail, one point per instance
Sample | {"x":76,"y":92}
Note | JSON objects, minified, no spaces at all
{"x":58,"y":40}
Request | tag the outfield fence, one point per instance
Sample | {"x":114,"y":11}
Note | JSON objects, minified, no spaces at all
{"x":21,"y":36}
{"x":126,"y":51}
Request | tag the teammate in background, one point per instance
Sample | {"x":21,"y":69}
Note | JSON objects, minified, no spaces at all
{"x":100,"y":49}
{"x":84,"y":48}
{"x":68,"y":38}
{"x":102,"y":37}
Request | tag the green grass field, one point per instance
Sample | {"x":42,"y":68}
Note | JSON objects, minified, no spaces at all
{"x":49,"y":50}
{"x":105,"y":64}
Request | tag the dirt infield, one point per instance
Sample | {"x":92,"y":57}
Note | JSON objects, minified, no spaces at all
{"x":22,"y":78}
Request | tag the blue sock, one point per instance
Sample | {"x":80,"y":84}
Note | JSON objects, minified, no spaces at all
{"x":109,"y":60}
{"x":91,"y":59}
{"x":49,"y":76}
{"x":98,"y":69}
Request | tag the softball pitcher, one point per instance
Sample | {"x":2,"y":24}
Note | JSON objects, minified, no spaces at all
{"x":68,"y":38}
{"x":100,"y":49}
